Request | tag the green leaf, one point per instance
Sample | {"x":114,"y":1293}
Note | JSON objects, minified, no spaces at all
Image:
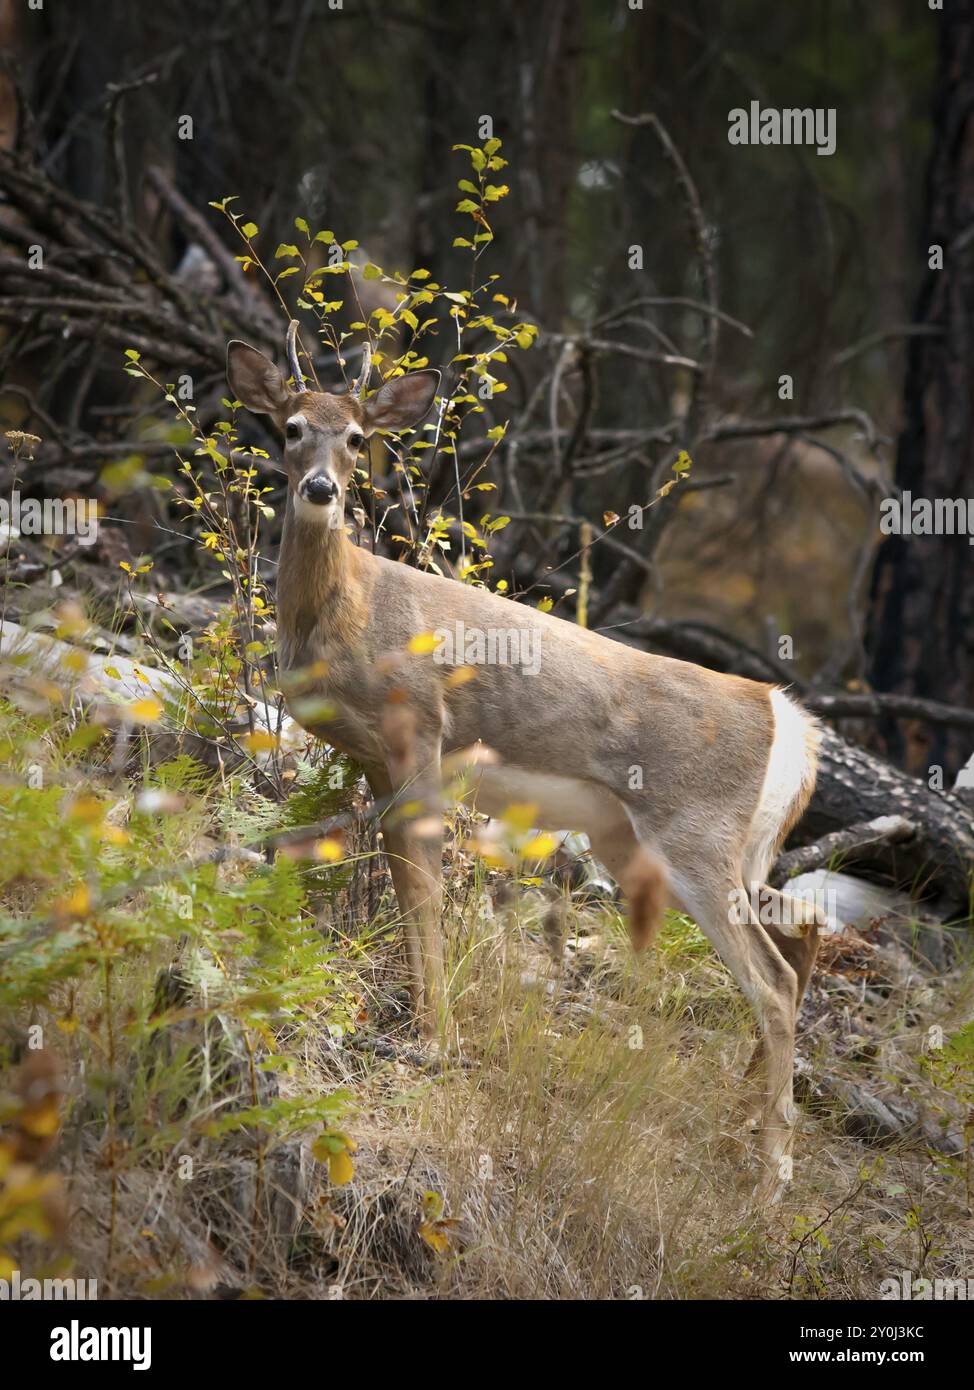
{"x":250,"y":229}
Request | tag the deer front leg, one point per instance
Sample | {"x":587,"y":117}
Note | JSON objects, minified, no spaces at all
{"x":412,"y":830}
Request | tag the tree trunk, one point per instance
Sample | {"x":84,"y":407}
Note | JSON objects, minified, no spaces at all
{"x":921,"y":638}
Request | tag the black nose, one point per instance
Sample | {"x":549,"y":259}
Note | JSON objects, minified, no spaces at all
{"x":320,"y":489}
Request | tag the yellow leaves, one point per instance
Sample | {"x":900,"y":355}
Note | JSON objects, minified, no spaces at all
{"x":260,"y":741}
{"x":336,"y":1148}
{"x":91,"y":812}
{"x":520,"y":841}
{"x":435,"y":1228}
{"x":423,"y":643}
{"x":539,"y":846}
{"x":26,"y":1203}
{"x":520,"y":816}
{"x":31,"y":1202}
{"x":74,"y":661}
{"x":144,"y":711}
{"x":681,"y":469}
{"x":87,"y":809}
{"x":459,"y":676}
{"x":76,"y":904}
{"x":340,"y":1168}
{"x":41,"y":1120}
{"x":114,"y":835}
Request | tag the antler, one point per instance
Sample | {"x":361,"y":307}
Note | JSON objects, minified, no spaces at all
{"x":292,"y":355}
{"x":361,"y":382}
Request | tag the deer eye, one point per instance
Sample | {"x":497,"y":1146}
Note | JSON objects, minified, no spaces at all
{"x":292,"y":431}
{"x":355,"y":441}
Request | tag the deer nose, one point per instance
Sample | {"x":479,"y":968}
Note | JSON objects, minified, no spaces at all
{"x":320,"y":489}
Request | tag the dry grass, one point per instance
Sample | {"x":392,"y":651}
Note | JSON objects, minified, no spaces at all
{"x":585,"y":1143}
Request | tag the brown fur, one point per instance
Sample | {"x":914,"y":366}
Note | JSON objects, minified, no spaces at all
{"x":645,"y":887}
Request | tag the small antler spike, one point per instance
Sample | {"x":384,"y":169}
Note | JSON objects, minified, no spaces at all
{"x":361,"y":383}
{"x":292,"y":355}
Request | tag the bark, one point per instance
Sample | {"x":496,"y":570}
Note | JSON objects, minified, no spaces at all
{"x":921,"y":638}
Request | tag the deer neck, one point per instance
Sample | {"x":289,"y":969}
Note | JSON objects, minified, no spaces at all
{"x":320,"y":593}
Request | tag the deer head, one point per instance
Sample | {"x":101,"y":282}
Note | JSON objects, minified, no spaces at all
{"x":323,"y":432}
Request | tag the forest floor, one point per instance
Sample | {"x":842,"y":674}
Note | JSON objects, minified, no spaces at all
{"x":217,"y":1135}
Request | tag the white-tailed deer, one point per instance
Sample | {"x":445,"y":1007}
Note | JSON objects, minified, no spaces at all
{"x":671,"y":769}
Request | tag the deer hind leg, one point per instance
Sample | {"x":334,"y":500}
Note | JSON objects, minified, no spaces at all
{"x":712,"y":896}
{"x":412,"y":832}
{"x":800,"y":953}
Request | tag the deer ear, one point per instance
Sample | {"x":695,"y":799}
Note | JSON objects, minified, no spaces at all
{"x":401,"y":402}
{"x":254,"y":380}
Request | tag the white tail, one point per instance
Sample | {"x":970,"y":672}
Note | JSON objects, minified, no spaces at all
{"x":678,"y":775}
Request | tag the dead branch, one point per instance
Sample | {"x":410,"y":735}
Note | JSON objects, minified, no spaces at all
{"x":855,"y":842}
{"x":877,"y":706}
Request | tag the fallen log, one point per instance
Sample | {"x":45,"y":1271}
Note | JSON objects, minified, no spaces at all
{"x":112,"y":679}
{"x":868,"y":840}
{"x":854,"y":786}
